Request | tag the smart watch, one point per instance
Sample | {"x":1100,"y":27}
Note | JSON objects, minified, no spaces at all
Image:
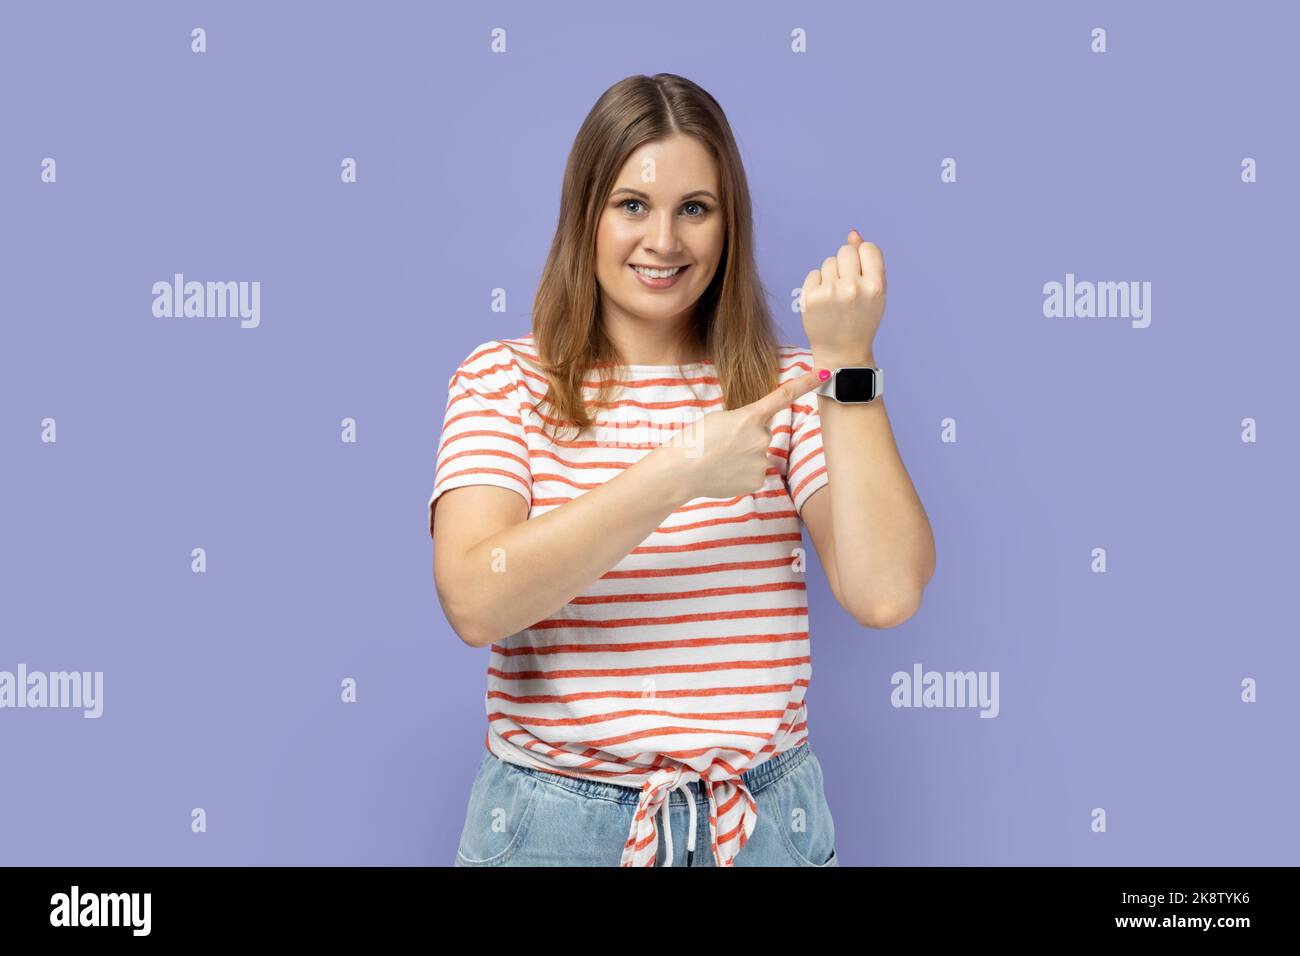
{"x":853,"y":384}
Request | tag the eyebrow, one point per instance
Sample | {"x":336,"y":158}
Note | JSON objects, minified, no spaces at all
{"x":637,"y":192}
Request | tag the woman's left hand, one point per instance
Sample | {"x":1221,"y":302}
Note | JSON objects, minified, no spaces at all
{"x":844,"y":300}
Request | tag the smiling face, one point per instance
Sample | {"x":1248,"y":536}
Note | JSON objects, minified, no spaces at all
{"x":663,"y":212}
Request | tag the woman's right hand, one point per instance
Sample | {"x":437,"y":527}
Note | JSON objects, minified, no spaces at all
{"x":728,"y":455}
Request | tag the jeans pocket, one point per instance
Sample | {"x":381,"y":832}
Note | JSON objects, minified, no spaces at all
{"x":497,"y":818}
{"x":806,"y":825}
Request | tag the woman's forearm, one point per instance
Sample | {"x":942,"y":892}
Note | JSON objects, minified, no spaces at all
{"x":884,"y":546}
{"x":523,"y":574}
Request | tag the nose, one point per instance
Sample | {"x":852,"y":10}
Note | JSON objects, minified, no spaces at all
{"x":662,"y":234}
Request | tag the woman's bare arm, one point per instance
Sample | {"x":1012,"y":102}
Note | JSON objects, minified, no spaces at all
{"x":498,"y":572}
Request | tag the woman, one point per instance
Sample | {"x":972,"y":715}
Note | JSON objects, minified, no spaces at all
{"x":618,"y":496}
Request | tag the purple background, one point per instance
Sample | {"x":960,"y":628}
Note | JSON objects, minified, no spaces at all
{"x":1118,"y":690}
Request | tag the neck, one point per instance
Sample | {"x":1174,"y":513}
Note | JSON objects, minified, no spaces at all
{"x":641,"y":342}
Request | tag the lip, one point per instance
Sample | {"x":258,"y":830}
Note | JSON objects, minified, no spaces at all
{"x":658,"y":283}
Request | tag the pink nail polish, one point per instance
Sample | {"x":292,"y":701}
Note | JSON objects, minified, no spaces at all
{"x":823,"y":373}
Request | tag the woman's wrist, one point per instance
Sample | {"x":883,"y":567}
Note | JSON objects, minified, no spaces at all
{"x":834,"y":360}
{"x":670,"y":467}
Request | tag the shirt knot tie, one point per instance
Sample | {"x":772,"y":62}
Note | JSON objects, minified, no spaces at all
{"x":732,"y":816}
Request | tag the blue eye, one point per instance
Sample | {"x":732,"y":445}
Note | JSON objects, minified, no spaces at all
{"x":704,"y":208}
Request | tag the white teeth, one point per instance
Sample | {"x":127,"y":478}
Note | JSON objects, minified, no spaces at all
{"x":658,"y":273}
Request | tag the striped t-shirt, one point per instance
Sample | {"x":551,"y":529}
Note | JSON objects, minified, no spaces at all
{"x":688,"y":660}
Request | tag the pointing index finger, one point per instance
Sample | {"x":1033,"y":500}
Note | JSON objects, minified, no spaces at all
{"x":785,"y":393}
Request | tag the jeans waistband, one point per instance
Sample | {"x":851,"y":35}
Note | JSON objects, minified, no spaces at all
{"x":755,"y":778}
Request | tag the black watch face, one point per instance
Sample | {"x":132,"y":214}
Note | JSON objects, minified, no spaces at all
{"x":855,"y":384}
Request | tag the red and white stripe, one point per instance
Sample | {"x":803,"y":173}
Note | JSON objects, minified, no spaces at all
{"x":689,"y":659}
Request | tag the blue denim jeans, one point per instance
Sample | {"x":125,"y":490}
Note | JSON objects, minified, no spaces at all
{"x":518,"y":816}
